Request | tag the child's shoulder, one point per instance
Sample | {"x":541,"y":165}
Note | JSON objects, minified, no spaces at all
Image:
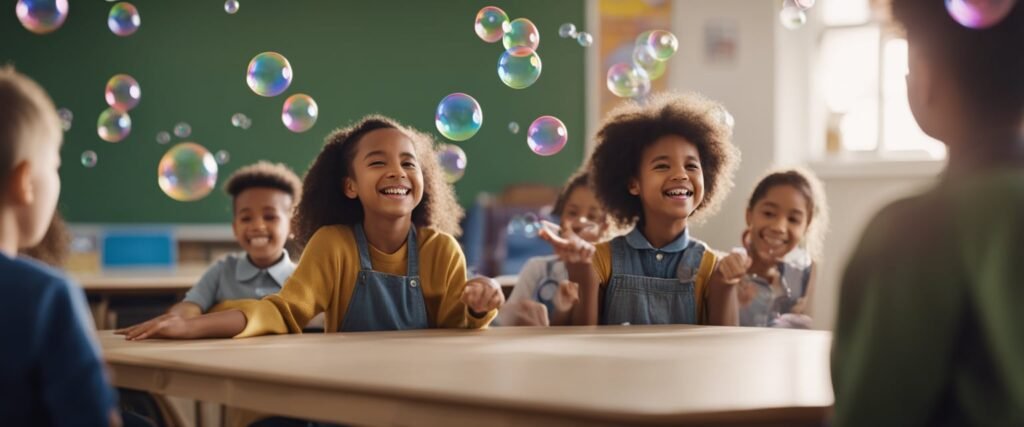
{"x":27,"y":281}
{"x":432,"y":237}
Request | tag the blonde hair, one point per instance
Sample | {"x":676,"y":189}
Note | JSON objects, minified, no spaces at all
{"x":24,"y":107}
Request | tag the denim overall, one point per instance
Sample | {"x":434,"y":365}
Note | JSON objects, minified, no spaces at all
{"x":386,"y":302}
{"x":547,"y":289}
{"x":652,"y":286}
{"x":766,"y":306}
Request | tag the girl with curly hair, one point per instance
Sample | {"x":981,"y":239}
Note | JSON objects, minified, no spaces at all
{"x":375,"y":220}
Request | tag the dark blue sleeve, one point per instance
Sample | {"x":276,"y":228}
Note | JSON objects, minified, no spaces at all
{"x":74,"y":385}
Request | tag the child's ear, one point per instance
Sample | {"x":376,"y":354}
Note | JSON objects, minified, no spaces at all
{"x":349,"y":187}
{"x":19,"y":185}
{"x":634,"y":187}
{"x":749,"y":215}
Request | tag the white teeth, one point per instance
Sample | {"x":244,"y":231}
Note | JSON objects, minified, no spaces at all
{"x":395,"y":191}
{"x":259,"y":241}
{"x":679,"y":192}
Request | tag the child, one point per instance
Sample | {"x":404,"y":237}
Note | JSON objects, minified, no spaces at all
{"x":377,"y":257}
{"x":929,"y":330}
{"x":786,"y":210}
{"x":51,"y":372}
{"x":543,"y":295}
{"x":655,"y":166}
{"x":263,"y":196}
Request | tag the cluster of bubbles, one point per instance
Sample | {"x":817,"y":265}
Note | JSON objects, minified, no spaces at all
{"x":453,"y":162}
{"x":66,"y":118}
{"x":793,"y":14}
{"x":651,"y":51}
{"x":240,"y":120}
{"x":187,"y":172}
{"x":519,"y":66}
{"x":124,"y":19}
{"x":299,"y":113}
{"x":122,"y":94}
{"x":979,"y":14}
{"x":547,"y":136}
{"x":458,"y":117}
{"x":527,"y":225}
{"x":568,"y":31}
{"x":41,"y":16}
{"x":231,"y":7}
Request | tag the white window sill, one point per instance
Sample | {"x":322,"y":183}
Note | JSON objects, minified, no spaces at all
{"x":876,"y":168}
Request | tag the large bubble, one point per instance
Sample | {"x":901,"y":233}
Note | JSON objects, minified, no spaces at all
{"x":187,"y":172}
{"x":299,"y":113}
{"x":547,"y":135}
{"x":490,"y":24}
{"x":124,"y":19}
{"x":521,"y":32}
{"x":42,"y":16}
{"x":453,"y":162}
{"x":458,"y":117}
{"x":519,"y":67}
{"x":122,"y":92}
{"x":979,"y":14}
{"x":627,"y":80}
{"x":269,"y":74}
{"x":113,"y":125}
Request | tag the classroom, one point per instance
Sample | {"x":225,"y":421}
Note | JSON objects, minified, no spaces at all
{"x":530,"y":212}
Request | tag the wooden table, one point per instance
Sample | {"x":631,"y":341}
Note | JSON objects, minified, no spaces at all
{"x":104,"y":285}
{"x":611,"y":375}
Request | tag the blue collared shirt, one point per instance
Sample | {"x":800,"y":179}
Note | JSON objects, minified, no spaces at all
{"x":235,"y":277}
{"x":658,"y":262}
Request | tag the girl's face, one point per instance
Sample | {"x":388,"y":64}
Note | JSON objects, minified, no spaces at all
{"x":670,"y":180}
{"x":585,"y":214}
{"x":777,"y":223}
{"x":386,"y":175}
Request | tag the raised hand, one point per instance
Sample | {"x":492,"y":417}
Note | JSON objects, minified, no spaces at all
{"x":569,"y":247}
{"x":734,"y":266}
{"x":482,"y":294}
{"x":568,"y":295}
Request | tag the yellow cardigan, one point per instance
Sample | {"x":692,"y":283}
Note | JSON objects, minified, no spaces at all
{"x":326,"y":276}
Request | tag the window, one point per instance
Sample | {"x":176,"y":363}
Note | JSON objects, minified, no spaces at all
{"x":861,"y":79}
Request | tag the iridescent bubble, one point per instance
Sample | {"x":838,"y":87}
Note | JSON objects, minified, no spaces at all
{"x":182,"y":130}
{"x":979,"y":14}
{"x":458,"y":117}
{"x":628,"y":80}
{"x":187,"y":172}
{"x":163,"y":137}
{"x":527,"y":225}
{"x":641,"y":40}
{"x":453,"y":162}
{"x":89,"y":158}
{"x":269,"y":74}
{"x":122,"y":92}
{"x":547,"y":135}
{"x":222,"y":157}
{"x":792,"y":17}
{"x":231,"y":6}
{"x":247,"y":123}
{"x":804,"y":4}
{"x":490,"y":24}
{"x":513,"y":127}
{"x":66,"y":117}
{"x":42,"y":16}
{"x":662,"y":44}
{"x":519,"y":67}
{"x":521,"y":32}
{"x":585,"y":39}
{"x":238,"y":119}
{"x":113,"y":125}
{"x":124,"y":19}
{"x":299,"y":113}
{"x":654,"y":68}
{"x":567,"y":31}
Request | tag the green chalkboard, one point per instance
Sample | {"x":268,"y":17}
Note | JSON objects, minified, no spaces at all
{"x":398,"y":58}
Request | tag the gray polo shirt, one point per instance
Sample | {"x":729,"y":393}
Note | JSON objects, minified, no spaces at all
{"x":235,"y":277}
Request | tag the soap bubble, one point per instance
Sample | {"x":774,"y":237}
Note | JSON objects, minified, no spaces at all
{"x":453,"y":162}
{"x":979,"y":14}
{"x":89,"y":158}
{"x":585,"y":39}
{"x":519,"y":67}
{"x":269,"y":74}
{"x":527,"y":225}
{"x":458,"y":117}
{"x":113,"y":125}
{"x":513,"y":127}
{"x":182,"y":130}
{"x":299,"y":113}
{"x":163,"y":137}
{"x":628,"y":80}
{"x":187,"y":172}
{"x":231,"y":6}
{"x":66,"y":118}
{"x":222,"y":157}
{"x":124,"y":19}
{"x":42,"y":16}
{"x":547,"y":135}
{"x":654,"y":68}
{"x":122,"y":92}
{"x":567,"y":31}
{"x":521,"y":32}
{"x":662,"y":44}
{"x":490,"y":24}
{"x":792,"y":17}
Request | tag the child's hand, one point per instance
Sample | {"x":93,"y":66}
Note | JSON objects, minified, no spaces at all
{"x":529,"y":313}
{"x":570,"y":248}
{"x":568,"y":295}
{"x":164,"y":326}
{"x":482,"y":294}
{"x":800,"y":307}
{"x":733,"y":267}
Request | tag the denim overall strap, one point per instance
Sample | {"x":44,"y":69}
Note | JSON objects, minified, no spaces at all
{"x":386,"y":302}
{"x":633,"y":297}
{"x":547,"y":288}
